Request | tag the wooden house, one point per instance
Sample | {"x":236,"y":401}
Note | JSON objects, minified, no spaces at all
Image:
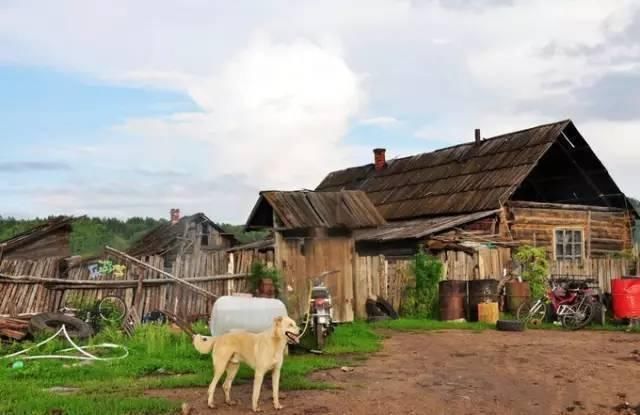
{"x":192,"y":235}
{"x":542,"y":186}
{"x":313,"y":234}
{"x":470,"y":204}
{"x":49,"y":240}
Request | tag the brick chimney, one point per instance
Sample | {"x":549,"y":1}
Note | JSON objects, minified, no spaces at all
{"x":379,"y":158}
{"x":174,"y":216}
{"x":478,"y":136}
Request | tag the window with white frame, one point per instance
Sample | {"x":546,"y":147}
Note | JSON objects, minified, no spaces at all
{"x":569,"y":244}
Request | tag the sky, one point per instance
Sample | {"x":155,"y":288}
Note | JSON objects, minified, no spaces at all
{"x":121,"y":108}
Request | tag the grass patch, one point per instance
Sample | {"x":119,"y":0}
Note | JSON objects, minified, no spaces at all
{"x":158,"y":359}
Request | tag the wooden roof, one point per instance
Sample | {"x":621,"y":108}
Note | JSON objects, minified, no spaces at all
{"x":419,"y":228}
{"x":165,"y":237}
{"x":36,"y":233}
{"x":465,"y":178}
{"x":307,"y":209}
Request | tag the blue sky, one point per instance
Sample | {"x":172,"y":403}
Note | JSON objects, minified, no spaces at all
{"x":133,"y":108}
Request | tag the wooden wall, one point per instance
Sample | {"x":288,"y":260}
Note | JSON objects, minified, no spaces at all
{"x":53,"y":244}
{"x":380,"y":276}
{"x":300,"y":259}
{"x":602,"y":269}
{"x":605,"y":232}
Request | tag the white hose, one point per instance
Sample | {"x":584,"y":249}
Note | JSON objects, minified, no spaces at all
{"x":81,"y":349}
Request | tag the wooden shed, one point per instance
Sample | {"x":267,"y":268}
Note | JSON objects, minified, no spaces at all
{"x":192,"y":235}
{"x":312,"y":235}
{"x":49,"y":240}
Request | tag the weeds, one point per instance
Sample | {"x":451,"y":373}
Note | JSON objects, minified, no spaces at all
{"x":158,"y":358}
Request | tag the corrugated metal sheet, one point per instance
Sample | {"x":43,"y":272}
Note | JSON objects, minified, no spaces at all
{"x":419,"y":228}
{"x":306,"y":209}
{"x":466,"y":178}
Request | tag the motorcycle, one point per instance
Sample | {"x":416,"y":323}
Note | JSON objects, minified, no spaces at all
{"x":574,"y":302}
{"x":321,"y":312}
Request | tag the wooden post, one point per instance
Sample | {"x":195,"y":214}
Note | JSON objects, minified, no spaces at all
{"x":588,"y":238}
{"x":137,"y":299}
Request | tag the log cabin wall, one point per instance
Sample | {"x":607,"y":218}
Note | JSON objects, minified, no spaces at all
{"x":605,"y":232}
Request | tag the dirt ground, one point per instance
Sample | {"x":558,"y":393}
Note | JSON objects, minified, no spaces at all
{"x":464,"y":372}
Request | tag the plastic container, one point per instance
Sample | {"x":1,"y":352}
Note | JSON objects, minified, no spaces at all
{"x":244,"y":313}
{"x":626,"y":297}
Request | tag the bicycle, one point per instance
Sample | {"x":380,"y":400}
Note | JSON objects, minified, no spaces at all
{"x":573,"y":306}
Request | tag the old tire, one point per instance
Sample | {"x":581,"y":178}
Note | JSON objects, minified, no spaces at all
{"x":387,"y":308}
{"x":372,"y":309}
{"x":49,"y":323}
{"x":509,"y":325}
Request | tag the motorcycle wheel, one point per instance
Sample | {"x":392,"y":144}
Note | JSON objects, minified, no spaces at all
{"x":320,"y":337}
{"x":571,"y":322}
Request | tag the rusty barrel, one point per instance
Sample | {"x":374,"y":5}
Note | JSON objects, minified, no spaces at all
{"x":452,"y":295}
{"x":480,"y":291}
{"x":517,"y":293}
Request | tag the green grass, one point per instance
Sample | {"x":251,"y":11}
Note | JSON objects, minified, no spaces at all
{"x":158,"y":359}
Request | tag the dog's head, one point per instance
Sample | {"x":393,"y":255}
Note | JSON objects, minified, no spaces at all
{"x":287,"y":328}
{"x":203,"y":344}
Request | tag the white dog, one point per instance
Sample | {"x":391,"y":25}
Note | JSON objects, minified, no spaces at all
{"x":262,"y":352}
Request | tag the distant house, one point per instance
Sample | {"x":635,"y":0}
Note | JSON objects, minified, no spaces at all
{"x":190,"y":235}
{"x":49,"y":240}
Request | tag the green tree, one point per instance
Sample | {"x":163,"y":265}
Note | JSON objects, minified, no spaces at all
{"x":422,"y":300}
{"x":534,"y":268}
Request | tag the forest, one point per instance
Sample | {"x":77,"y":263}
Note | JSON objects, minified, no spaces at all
{"x":90,"y":235}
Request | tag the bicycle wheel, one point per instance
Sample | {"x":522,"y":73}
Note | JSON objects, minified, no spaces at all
{"x":532,"y":313}
{"x":112,"y":308}
{"x":580,"y":318}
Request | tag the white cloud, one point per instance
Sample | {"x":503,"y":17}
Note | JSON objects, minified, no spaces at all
{"x":379,"y":121}
{"x":276,"y":112}
{"x":279,"y":83}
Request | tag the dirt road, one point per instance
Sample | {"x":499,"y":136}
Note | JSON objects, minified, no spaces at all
{"x":458,"y":372}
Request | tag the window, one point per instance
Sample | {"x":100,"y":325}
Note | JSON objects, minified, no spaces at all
{"x":204,"y":237}
{"x":568,"y":244}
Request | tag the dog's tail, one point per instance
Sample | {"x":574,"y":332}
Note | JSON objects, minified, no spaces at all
{"x":203,"y":344}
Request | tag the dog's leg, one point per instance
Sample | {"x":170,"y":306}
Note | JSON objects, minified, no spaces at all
{"x":219,"y":366}
{"x":275,"y":385}
{"x":257,"y":385}
{"x":232,"y":370}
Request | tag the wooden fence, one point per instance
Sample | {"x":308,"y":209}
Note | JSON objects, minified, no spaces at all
{"x":390,"y":277}
{"x":158,"y":292}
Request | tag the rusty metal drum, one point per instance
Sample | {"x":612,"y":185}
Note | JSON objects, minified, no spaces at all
{"x":480,"y":291}
{"x":452,"y":296}
{"x":517,"y":293}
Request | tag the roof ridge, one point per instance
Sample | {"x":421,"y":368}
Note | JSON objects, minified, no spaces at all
{"x":567,"y":120}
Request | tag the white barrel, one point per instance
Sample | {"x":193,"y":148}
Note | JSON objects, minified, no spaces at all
{"x":252,"y":314}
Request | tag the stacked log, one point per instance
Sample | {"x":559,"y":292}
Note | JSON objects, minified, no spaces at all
{"x":13,"y":328}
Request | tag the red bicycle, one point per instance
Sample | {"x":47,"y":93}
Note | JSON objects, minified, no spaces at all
{"x":572,"y":301}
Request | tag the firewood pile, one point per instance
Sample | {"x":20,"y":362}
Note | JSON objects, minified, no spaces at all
{"x":13,"y":328}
